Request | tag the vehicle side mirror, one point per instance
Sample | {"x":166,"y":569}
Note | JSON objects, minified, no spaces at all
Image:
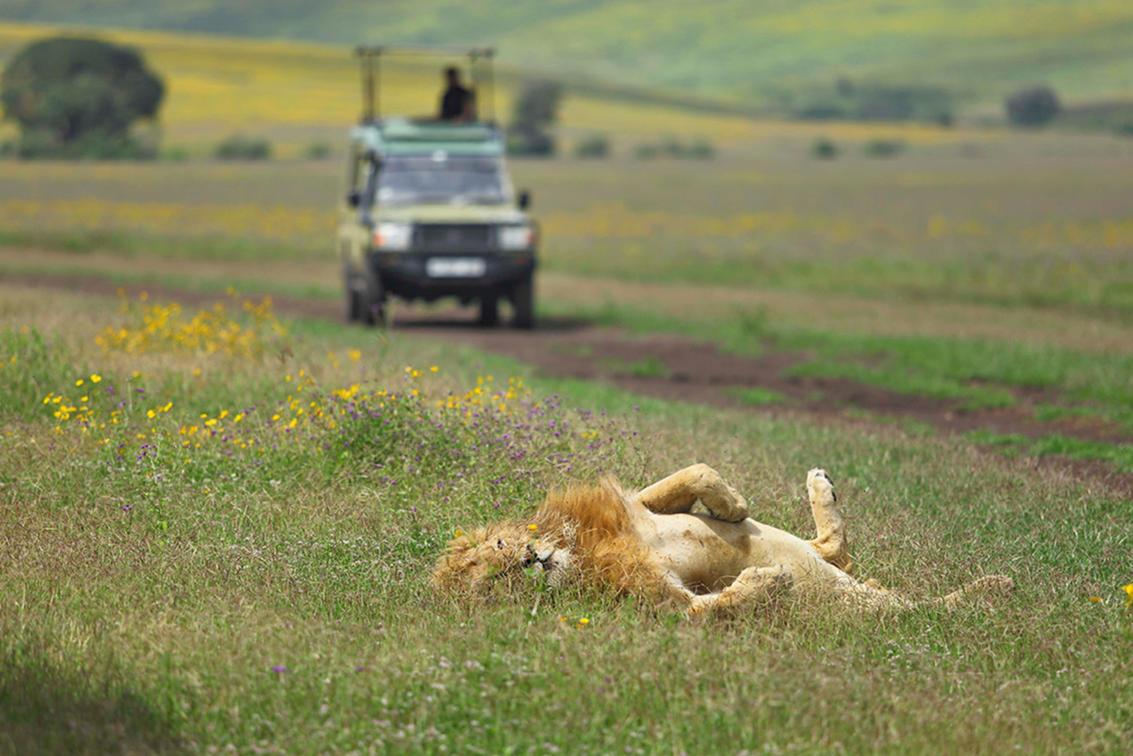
{"x":524,"y":199}
{"x":354,"y":198}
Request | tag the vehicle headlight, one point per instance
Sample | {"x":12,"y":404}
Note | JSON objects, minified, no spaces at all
{"x":394,"y":237}
{"x":516,"y":237}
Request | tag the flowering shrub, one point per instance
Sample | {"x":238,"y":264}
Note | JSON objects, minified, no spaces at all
{"x":487,"y":435}
{"x":163,"y":327}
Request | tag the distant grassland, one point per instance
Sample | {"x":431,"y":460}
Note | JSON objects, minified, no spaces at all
{"x":300,"y":93}
{"x":1020,"y":226}
{"x":755,"y":52}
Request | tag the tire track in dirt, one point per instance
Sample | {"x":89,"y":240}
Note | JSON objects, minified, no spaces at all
{"x":674,"y":367}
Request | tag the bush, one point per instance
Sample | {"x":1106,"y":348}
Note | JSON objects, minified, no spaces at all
{"x":646,"y":151}
{"x":594,"y":146}
{"x":317,"y":151}
{"x":94,"y":146}
{"x":883,"y":148}
{"x":824,"y":149}
{"x":875,"y":102}
{"x":174,"y":153}
{"x":699,"y":149}
{"x":534,"y":112}
{"x":240,"y":147}
{"x":79,"y":97}
{"x":1034,"y":106}
{"x":530,"y":144}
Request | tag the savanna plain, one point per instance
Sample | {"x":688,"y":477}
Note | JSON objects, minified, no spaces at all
{"x":218,"y":520}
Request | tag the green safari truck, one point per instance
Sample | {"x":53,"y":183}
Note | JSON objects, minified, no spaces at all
{"x":428,"y":213}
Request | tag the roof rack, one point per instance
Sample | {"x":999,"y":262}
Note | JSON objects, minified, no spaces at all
{"x":398,"y":135}
{"x":479,"y":66}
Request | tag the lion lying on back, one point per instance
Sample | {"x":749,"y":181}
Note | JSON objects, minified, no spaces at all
{"x":650,"y":544}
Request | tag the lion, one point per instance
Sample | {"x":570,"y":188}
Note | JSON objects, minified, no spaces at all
{"x":651,"y":544}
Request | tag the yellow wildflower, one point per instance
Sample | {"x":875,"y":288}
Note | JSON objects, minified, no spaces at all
{"x":95,"y":378}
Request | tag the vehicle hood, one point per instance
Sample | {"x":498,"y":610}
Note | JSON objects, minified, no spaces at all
{"x":450,"y":214}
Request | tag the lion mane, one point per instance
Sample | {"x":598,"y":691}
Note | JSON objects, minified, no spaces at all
{"x":582,"y":533}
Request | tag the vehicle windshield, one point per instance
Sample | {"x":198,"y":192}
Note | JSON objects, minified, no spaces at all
{"x":441,"y":179}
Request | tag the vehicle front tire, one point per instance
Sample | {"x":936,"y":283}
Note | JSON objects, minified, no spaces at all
{"x":364,"y":301}
{"x":489,"y":311}
{"x":351,"y":302}
{"x":523,"y":299}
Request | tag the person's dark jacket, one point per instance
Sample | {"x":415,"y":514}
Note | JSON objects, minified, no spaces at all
{"x":456,"y":102}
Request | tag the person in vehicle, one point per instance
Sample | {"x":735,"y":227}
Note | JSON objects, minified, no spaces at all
{"x":458,"y":103}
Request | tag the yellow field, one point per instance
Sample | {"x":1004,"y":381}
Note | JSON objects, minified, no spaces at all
{"x":296,"y":93}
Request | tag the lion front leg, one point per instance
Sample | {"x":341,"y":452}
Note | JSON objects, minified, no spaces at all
{"x":678,"y":492}
{"x":752,"y":585}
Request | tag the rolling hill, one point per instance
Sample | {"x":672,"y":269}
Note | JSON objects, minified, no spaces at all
{"x":767,"y":55}
{"x":300,"y":93}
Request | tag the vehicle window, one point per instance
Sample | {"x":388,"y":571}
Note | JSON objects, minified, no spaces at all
{"x":442,"y":179}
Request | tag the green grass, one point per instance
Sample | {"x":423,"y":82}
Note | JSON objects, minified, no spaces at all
{"x":1013,"y":444}
{"x":133,"y":244}
{"x":1022,"y":236}
{"x":646,"y":367}
{"x":757,"y":395}
{"x":1037,"y":222}
{"x":154,"y":592}
{"x":977,"y":373}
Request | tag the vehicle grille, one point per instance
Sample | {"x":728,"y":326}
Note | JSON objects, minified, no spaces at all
{"x":461,"y":237}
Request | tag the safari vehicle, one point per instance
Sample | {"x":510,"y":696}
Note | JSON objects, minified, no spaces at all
{"x":429,"y":211}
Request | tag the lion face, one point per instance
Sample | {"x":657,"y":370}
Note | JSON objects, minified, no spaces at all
{"x":500,"y":554}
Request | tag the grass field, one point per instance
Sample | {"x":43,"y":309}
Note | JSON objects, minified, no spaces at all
{"x":263,"y":587}
{"x":216,"y":525}
{"x":757,"y":52}
{"x":204,"y":550}
{"x":965,"y":276}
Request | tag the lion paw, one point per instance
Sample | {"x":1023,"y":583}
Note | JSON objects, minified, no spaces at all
{"x":819,"y":484}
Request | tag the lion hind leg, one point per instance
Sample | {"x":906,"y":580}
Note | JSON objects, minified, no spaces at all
{"x":752,"y":585}
{"x":677,"y":493}
{"x":831,"y":542}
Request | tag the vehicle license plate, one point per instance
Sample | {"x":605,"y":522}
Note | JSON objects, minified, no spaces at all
{"x":455,"y":267}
